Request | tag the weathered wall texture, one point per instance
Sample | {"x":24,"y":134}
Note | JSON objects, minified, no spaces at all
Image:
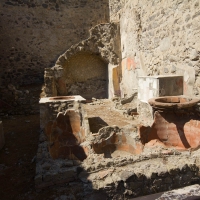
{"x":159,"y":37}
{"x":115,"y":8}
{"x":86,"y":75}
{"x":35,"y":32}
{"x":83,"y":68}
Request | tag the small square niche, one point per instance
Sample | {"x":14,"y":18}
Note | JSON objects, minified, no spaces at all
{"x":157,"y":86}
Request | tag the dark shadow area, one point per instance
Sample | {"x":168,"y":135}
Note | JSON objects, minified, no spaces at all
{"x":96,"y":123}
{"x":108,"y":150}
{"x":5,"y":106}
{"x":17,"y":171}
{"x":158,"y":195}
{"x":62,"y":98}
{"x":63,"y":138}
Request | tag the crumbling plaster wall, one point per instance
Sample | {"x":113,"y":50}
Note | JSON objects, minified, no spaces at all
{"x":35,"y":32}
{"x":159,"y":38}
{"x":90,"y":60}
{"x":86,"y":75}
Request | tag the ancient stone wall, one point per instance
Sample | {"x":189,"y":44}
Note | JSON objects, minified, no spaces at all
{"x":159,"y":37}
{"x":86,"y":75}
{"x":83,"y":68}
{"x":35,"y":32}
{"x":115,"y":8}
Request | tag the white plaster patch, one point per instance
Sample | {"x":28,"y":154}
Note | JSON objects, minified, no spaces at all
{"x":165,"y":44}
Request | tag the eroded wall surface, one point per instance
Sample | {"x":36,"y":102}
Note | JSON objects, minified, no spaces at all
{"x":35,"y":32}
{"x":86,"y":75}
{"x":159,"y":38}
{"x":85,"y":67}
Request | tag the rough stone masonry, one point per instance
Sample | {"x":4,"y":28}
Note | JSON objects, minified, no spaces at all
{"x":153,"y":38}
{"x":33,"y":33}
{"x":159,"y":37}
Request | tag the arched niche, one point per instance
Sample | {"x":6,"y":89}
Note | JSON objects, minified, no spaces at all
{"x":84,"y":74}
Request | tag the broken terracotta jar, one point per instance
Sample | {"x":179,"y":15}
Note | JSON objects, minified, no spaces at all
{"x":113,"y":142}
{"x":176,"y":123}
{"x":65,"y":136}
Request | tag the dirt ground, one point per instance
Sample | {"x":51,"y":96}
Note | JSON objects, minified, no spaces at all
{"x":17,"y":161}
{"x":17,"y":166}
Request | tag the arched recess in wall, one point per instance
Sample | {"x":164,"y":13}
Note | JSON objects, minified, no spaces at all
{"x":85,"y":74}
{"x":83,"y":68}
